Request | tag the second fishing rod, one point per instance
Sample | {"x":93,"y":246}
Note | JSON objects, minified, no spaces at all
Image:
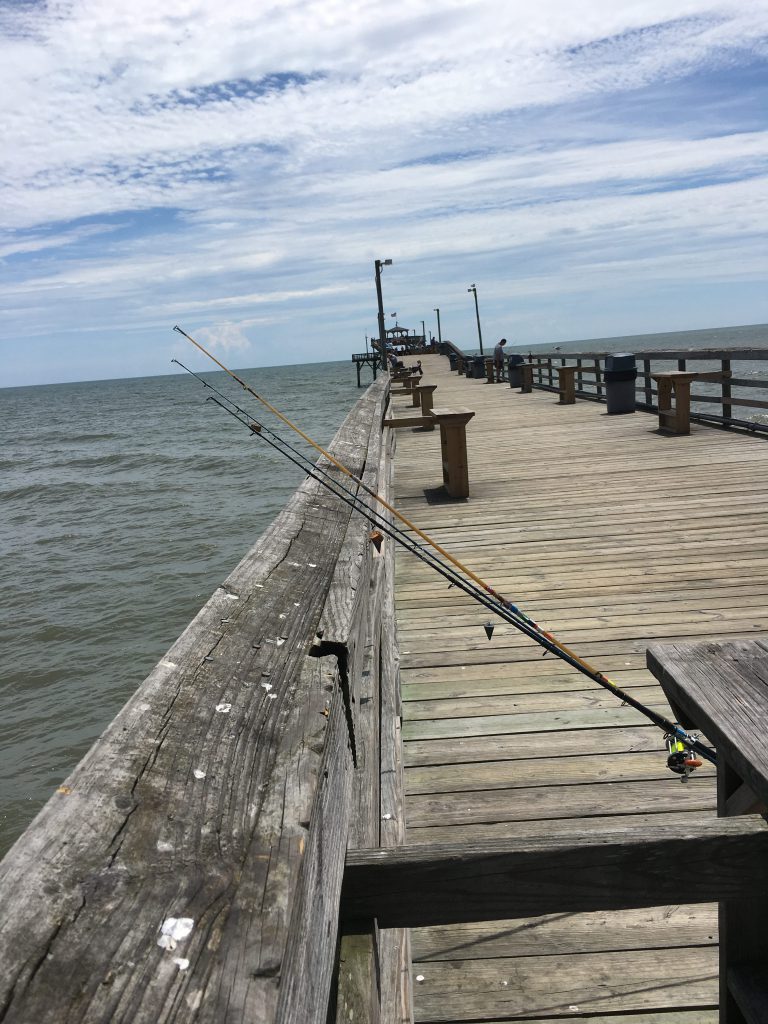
{"x":503,"y":609}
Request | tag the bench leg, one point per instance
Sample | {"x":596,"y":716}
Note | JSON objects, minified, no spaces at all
{"x":682,"y":407}
{"x":666,"y":411}
{"x":427,"y":398}
{"x":567,"y":390}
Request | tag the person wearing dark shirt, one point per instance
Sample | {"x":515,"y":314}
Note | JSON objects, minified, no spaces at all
{"x":498,"y":358}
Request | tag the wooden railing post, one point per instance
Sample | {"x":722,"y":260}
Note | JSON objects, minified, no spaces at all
{"x":726,"y":389}
{"x":648,"y":383}
{"x":566,"y":384}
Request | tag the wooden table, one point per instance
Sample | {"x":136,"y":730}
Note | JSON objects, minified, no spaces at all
{"x":426,"y":393}
{"x":453,"y":446}
{"x":676,"y":419}
{"x":722,"y":689}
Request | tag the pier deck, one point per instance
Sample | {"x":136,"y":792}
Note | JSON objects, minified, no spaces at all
{"x":612,"y":536}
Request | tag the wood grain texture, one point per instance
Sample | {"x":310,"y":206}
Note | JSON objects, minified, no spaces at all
{"x":614,"y":537}
{"x":575,"y":986}
{"x":197,"y":802}
{"x":723,"y":687}
{"x":548,"y":934}
{"x":428,"y":885}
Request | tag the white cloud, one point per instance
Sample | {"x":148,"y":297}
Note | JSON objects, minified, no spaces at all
{"x":224,"y":337}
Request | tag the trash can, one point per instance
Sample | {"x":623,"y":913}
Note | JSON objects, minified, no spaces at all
{"x":478,"y":367}
{"x":513,"y":370}
{"x":452,"y":360}
{"x":620,"y":375}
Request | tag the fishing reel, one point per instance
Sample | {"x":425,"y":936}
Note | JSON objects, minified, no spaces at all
{"x":681,"y":758}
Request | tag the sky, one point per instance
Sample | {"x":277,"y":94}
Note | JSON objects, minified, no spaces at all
{"x":596,"y":169}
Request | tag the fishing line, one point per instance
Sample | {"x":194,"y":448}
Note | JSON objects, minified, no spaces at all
{"x":478,"y":589}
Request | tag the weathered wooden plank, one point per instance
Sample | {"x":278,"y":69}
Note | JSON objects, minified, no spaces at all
{"x":429,"y":885}
{"x":608,"y":717}
{"x":396,"y":992}
{"x":308,"y":963}
{"x":583,"y":801}
{"x":550,"y":934}
{"x":358,"y":580}
{"x":471,"y":641}
{"x":723,"y":687}
{"x":511,"y":746}
{"x":698,"y":1016}
{"x":579,"y":615}
{"x":580,"y":986}
{"x":590,"y":696}
{"x":352,"y":818}
{"x":195,"y":803}
{"x":592,"y":646}
{"x":453,"y":833}
{"x":541,"y":771}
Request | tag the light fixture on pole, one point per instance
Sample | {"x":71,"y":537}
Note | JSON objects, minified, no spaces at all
{"x":439,"y":332}
{"x":382,"y":330}
{"x":473,"y":288}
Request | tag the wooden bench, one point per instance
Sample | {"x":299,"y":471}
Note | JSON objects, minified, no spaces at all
{"x":408,"y":382}
{"x":423,"y":394}
{"x":566,"y":380}
{"x":453,"y":448}
{"x":426,"y":396}
{"x":676,"y":418}
{"x":720,"y":688}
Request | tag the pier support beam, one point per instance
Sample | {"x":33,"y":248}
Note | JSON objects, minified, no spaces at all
{"x":420,"y":886}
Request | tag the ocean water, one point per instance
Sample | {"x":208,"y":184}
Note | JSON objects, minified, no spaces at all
{"x":123,"y":504}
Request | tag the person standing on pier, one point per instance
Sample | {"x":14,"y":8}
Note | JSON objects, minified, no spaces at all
{"x":498,"y":358}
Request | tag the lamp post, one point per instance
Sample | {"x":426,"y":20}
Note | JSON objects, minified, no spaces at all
{"x":439,"y":332}
{"x":382,"y":330}
{"x":473,"y":288}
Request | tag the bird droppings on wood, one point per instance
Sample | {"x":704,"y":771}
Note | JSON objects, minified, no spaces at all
{"x":174,"y":930}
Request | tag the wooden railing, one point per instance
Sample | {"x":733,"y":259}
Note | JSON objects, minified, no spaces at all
{"x":743,"y":387}
{"x":190,"y":867}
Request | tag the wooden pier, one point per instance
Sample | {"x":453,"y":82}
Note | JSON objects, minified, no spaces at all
{"x":336,"y":800}
{"x":613,"y":536}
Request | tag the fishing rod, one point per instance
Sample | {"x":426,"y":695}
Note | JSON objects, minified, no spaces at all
{"x":351,"y":499}
{"x":679,"y":742}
